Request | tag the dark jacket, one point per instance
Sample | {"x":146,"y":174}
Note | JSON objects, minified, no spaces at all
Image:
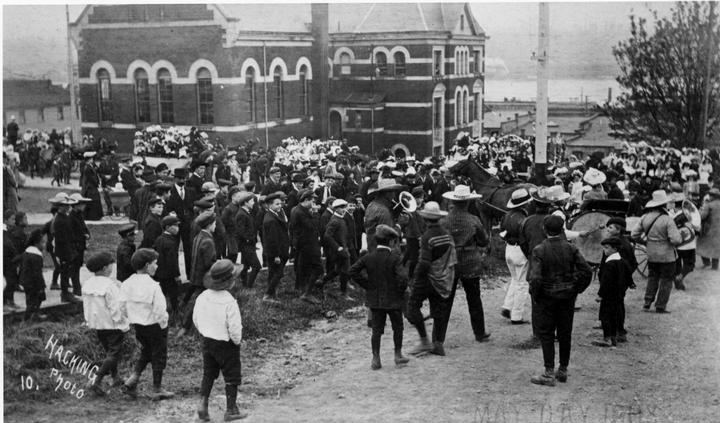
{"x":203,"y":256}
{"x":271,"y":187}
{"x":79,"y":229}
{"x":245,"y":229}
{"x":152,"y":228}
{"x":532,"y":233}
{"x":276,"y":240}
{"x":182,"y":208}
{"x":64,"y":240}
{"x":124,"y":252}
{"x":512,"y":224}
{"x":10,"y":270}
{"x":613,"y":278}
{"x":386,"y":278}
{"x":335,"y":236}
{"x":304,"y":231}
{"x":166,"y":246}
{"x":557,"y":270}
{"x":31,"y":276}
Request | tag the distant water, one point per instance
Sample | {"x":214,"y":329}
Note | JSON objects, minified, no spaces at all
{"x":558,"y":90}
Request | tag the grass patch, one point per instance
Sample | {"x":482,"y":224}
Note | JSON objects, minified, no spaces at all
{"x":102,"y":237}
{"x":35,"y":199}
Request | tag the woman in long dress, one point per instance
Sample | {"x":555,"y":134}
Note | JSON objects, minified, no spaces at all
{"x":708,"y":244}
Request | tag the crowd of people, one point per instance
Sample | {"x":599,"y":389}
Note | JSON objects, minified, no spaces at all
{"x":308,"y":200}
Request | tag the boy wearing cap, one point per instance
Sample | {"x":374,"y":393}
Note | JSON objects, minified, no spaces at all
{"x":335,"y":236}
{"x":147,"y":312}
{"x":168,"y":271}
{"x":104,"y":312}
{"x":217,"y":318}
{"x":125,"y":251}
{"x":276,"y":243}
{"x":152,"y":226}
{"x":31,"y":276}
{"x":613,"y":283}
{"x":203,"y":257}
{"x":385,"y":286}
{"x":247,"y":238}
{"x":228,"y":219}
{"x":305,"y":238}
{"x":557,"y":274}
{"x":81,"y":235}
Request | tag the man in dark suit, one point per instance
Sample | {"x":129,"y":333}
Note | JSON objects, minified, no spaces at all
{"x":292,"y":199}
{"x":168,"y":271}
{"x":81,"y":235}
{"x":203,"y":257}
{"x":125,"y":250}
{"x":196,"y":180}
{"x":90,"y":189}
{"x":276,"y":243}
{"x":336,"y":242}
{"x":246,"y":230}
{"x":273,"y":183}
{"x":10,"y":268}
{"x":181,"y":203}
{"x":305,"y":239}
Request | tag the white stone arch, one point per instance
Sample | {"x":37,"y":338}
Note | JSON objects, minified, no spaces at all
{"x":140,"y":64}
{"x":303,"y":61}
{"x":199,"y":64}
{"x":383,"y":50}
{"x":160,"y":64}
{"x":283,"y":68}
{"x":341,"y":50}
{"x":402,"y":50}
{"x":477,"y":86}
{"x":102,"y":64}
{"x":250,"y":63}
{"x":439,"y":90}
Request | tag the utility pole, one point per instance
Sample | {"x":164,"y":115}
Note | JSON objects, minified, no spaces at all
{"x":74,"y":107}
{"x":708,"y":74}
{"x":265,"y":94}
{"x":542,"y":93}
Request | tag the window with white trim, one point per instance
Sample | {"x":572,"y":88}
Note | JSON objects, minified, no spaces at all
{"x":304,"y":91}
{"x":345,"y":63}
{"x":205,"y":97}
{"x":142,"y":96}
{"x":250,"y":94}
{"x":104,"y":100}
{"x":278,"y":89}
{"x":381,"y":68}
{"x":399,"y":58}
{"x":165,"y":96}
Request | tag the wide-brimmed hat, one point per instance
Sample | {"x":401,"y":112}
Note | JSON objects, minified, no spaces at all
{"x":594,"y":177}
{"x":539,"y":196}
{"x":339,"y":203}
{"x":62,"y":198}
{"x":659,"y":198}
{"x":79,"y":198}
{"x":556,"y":193}
{"x":208,"y":187}
{"x":432,"y":211}
{"x":222,"y":275}
{"x":384,"y":185}
{"x":461,"y":193}
{"x":519,"y":198}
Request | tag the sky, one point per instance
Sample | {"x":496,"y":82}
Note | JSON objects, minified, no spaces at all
{"x":34,"y":36}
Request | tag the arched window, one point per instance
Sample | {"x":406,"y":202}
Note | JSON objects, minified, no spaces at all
{"x":466,"y":107}
{"x":278,"y":85}
{"x":250,"y":95}
{"x":380,"y":64}
{"x":345,"y":64}
{"x":205,"y":96}
{"x":399,"y":63}
{"x":458,"y":108}
{"x":142,"y":96}
{"x":305,"y":91}
{"x":165,"y":96}
{"x":104,"y":100}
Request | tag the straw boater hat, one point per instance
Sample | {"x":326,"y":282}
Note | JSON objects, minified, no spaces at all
{"x":461,"y":193}
{"x":659,"y":198}
{"x":222,"y":275}
{"x":384,"y":185}
{"x":556,"y":193}
{"x":594,"y":177}
{"x":540,"y":196}
{"x":432,"y":211}
{"x":519,"y":198}
{"x":63,"y":199}
{"x":79,"y":198}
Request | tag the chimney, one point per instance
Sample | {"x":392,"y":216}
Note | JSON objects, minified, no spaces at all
{"x":321,"y":72}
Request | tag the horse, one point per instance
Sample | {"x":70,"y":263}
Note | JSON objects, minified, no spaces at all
{"x":495,"y":194}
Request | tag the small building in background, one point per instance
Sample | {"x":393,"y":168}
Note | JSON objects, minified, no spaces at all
{"x":36,"y":104}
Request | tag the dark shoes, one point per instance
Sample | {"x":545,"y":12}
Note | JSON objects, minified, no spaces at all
{"x":518,"y":322}
{"x":505,"y":313}
{"x":661,"y":311}
{"x":622,"y":338}
{"x":561,"y":374}
{"x":482,"y":338}
{"x":233,"y":413}
{"x":202,"y":411}
{"x":130,"y":386}
{"x":646,"y":307}
{"x":547,"y":378}
{"x":375,"y":364}
{"x":605,"y":342}
{"x":438,"y":349}
{"x":160,"y":394}
{"x":69,"y":298}
{"x":401,"y":360}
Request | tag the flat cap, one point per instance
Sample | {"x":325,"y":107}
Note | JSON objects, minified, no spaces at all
{"x":203,"y":204}
{"x":306,"y":194}
{"x":554,"y":224}
{"x":385,"y":232}
{"x":205,"y":219}
{"x":170,"y":220}
{"x":127,"y":229}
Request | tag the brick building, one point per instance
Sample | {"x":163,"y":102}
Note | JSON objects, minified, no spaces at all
{"x":402,"y":76}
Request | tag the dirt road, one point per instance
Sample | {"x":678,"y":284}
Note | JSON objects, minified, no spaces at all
{"x":668,"y":371}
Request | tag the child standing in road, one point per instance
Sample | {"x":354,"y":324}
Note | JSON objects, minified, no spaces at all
{"x":104,"y":311}
{"x":31,"y":276}
{"x":385,"y":286}
{"x":613,"y":283}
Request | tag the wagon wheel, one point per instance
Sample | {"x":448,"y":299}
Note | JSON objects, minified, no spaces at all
{"x":642,"y":259}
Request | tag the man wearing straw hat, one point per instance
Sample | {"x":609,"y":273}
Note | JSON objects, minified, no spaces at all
{"x":469,"y":236}
{"x":517,"y":297}
{"x":662,"y":236}
{"x":63,"y":238}
{"x":379,"y":211}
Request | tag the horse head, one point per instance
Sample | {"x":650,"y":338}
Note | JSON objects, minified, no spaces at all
{"x":477,"y":174}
